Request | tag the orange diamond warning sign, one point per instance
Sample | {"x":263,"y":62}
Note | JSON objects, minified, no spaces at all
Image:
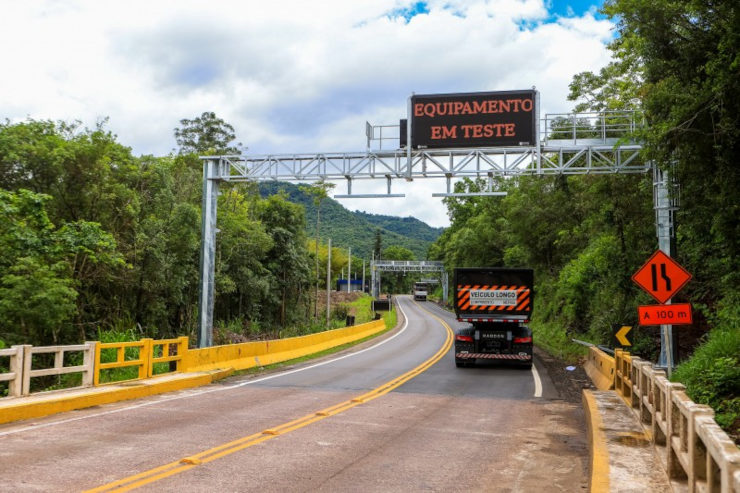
{"x":661,"y":277}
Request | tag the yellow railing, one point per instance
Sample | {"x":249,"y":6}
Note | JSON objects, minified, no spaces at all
{"x":168,"y":351}
{"x":146,"y":353}
{"x":623,"y":374}
{"x":141,"y":362}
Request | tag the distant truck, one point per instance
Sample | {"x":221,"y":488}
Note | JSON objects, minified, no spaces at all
{"x":420,"y":291}
{"x":497,"y":303}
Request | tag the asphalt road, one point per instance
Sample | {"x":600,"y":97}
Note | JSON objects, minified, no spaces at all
{"x":392,"y":415}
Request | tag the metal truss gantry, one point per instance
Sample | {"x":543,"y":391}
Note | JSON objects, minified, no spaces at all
{"x":570,"y":144}
{"x":378,"y":266}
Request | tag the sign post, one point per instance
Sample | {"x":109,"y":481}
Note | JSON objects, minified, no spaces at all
{"x":662,"y":277}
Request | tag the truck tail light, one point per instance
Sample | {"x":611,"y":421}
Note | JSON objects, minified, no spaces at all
{"x":464,"y":338}
{"x":522,"y":340}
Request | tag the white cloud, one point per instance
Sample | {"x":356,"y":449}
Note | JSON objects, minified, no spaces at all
{"x":291,"y":76}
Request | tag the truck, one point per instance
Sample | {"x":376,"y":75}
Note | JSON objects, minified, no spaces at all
{"x":420,"y":291}
{"x":496,"y":305}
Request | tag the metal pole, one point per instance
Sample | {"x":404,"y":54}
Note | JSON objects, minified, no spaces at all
{"x":373,"y":268}
{"x":328,"y":283}
{"x":664,"y":216}
{"x":349,"y":271}
{"x":445,"y":288}
{"x":363,"y":275}
{"x":409,"y":158}
{"x":538,"y":137}
{"x":209,"y":211}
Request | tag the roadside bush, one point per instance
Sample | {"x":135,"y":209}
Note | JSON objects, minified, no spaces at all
{"x":712,"y":376}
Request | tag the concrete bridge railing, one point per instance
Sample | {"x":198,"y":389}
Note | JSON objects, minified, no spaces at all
{"x":692,"y":448}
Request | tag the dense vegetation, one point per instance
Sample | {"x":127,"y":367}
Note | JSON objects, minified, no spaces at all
{"x":358,"y":229}
{"x":678,"y":63}
{"x":94,"y":238}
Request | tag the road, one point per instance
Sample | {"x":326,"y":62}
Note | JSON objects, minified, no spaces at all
{"x":391,"y":415}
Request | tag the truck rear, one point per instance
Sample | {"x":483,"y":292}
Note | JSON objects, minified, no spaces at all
{"x":420,"y":291}
{"x":497,"y":303}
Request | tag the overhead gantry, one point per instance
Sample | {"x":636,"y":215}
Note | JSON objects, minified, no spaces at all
{"x":378,"y":266}
{"x":559,"y":144}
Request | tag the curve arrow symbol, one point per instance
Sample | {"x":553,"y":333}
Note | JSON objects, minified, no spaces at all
{"x":621,"y":335}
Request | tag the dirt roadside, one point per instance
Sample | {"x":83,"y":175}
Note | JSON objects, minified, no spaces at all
{"x":568,"y":383}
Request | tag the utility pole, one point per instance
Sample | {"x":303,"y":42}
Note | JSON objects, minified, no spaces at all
{"x":363,"y":275}
{"x":328,"y":284}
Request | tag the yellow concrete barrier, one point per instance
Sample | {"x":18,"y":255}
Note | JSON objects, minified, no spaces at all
{"x":261,"y":353}
{"x":600,"y":368}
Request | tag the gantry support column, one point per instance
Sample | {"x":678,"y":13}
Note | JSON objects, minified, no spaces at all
{"x":665,"y":204}
{"x":208,"y":252}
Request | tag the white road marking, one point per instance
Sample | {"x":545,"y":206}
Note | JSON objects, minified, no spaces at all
{"x":537,"y":381}
{"x":535,"y":375}
{"x":217,"y":389}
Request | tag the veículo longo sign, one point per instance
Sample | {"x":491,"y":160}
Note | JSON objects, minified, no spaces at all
{"x":482,"y":119}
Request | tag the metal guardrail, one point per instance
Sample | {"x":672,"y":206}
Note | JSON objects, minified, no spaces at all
{"x":693,"y":449}
{"x":590,"y":127}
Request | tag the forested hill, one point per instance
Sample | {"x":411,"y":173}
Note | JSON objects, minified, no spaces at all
{"x":407,"y":226}
{"x":357,"y":229}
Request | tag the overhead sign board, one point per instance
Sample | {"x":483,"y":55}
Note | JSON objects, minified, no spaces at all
{"x":678,"y":314}
{"x":480,"y":119}
{"x":661,"y":277}
{"x":381,"y":305}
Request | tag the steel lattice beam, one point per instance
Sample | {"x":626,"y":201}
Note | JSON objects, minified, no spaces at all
{"x":450,"y":163}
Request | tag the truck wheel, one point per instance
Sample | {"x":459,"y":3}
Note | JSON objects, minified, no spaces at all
{"x":460,"y":363}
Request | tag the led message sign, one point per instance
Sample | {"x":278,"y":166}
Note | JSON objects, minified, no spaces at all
{"x":482,"y":119}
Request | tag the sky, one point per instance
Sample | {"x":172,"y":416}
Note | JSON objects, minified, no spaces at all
{"x":289,"y":75}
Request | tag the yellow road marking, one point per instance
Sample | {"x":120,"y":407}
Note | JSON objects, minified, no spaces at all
{"x":599,"y":451}
{"x":182,"y":465}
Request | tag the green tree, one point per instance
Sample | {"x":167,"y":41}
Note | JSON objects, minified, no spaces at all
{"x":287,"y":260}
{"x":39,"y":299}
{"x":378,"y":244}
{"x":43,"y":268}
{"x":206,"y":134}
{"x":318,"y":192}
{"x":397,"y":282}
{"x":679,"y":62}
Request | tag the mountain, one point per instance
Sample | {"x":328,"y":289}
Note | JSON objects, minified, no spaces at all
{"x":357,"y":229}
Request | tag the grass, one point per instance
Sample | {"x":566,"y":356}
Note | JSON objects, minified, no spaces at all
{"x":552,"y":338}
{"x":364,"y":314}
{"x":712,"y":377}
